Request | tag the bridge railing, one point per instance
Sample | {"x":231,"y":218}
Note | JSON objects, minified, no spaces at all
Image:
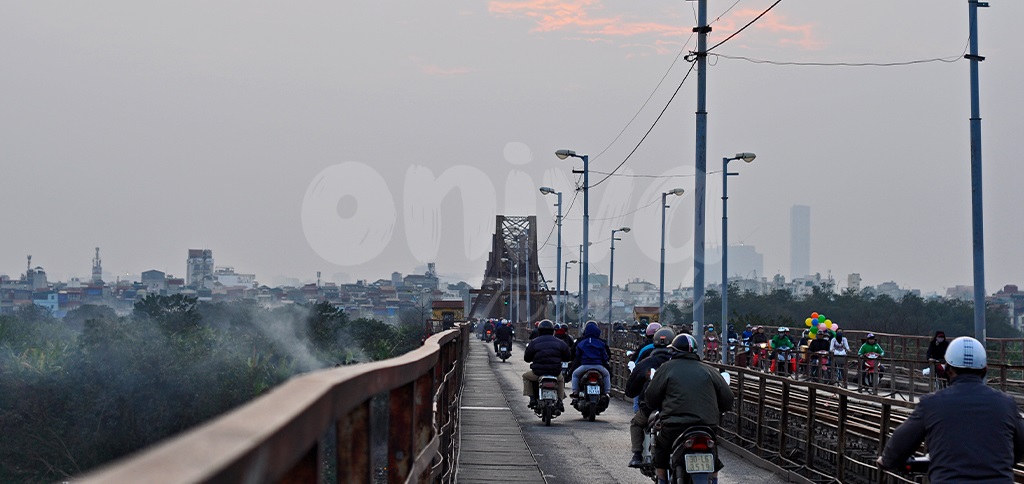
{"x":395,"y":418}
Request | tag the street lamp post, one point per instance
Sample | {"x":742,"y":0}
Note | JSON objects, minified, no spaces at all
{"x":558,"y":257}
{"x":584,"y":259}
{"x":661,"y":286}
{"x":565,"y":297}
{"x":611,"y":271}
{"x":747,"y":157}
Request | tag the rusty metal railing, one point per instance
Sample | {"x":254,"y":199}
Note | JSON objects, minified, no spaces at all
{"x":392,"y":420}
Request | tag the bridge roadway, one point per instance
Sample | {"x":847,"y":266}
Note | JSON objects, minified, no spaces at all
{"x":511,"y":444}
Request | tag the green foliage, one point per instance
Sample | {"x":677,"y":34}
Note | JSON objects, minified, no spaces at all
{"x":80,"y":392}
{"x":911,"y":315}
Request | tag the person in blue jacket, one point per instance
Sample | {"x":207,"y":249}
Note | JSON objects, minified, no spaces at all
{"x":591,"y":353}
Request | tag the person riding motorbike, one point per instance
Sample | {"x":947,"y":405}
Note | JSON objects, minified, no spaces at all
{"x":747,"y":332}
{"x":973,"y":432}
{"x":731,"y":334}
{"x":503,"y":335}
{"x":758,"y":337}
{"x":591,"y":353}
{"x":936,"y":354}
{"x":637,"y":383}
{"x":545,"y":353}
{"x":687,"y":392}
{"x":870,"y":346}
{"x":819,"y":343}
{"x":488,"y":326}
{"x":648,"y":344}
{"x":562,"y":333}
{"x":839,"y":347}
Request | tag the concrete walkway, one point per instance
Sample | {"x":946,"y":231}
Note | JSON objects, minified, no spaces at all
{"x":491,"y":444}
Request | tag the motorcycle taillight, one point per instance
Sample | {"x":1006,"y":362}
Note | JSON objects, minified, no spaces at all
{"x":699,"y":442}
{"x":592,"y":378}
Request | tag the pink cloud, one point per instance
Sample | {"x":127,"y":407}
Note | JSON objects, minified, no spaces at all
{"x":585,"y":18}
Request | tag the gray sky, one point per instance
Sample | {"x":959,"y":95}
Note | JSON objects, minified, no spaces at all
{"x":296,"y":137}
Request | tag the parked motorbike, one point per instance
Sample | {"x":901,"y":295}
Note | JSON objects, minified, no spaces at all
{"x":592,"y":400}
{"x":548,"y":405}
{"x":504,"y":351}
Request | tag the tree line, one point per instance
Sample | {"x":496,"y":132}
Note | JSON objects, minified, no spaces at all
{"x":94,"y":386}
{"x":911,"y":315}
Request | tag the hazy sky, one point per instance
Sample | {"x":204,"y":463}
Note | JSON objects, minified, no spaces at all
{"x":362,"y":137}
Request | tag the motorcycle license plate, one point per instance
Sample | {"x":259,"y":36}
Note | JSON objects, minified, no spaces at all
{"x":504,"y":348}
{"x":699,"y":463}
{"x":593,"y":390}
{"x":548,"y":395}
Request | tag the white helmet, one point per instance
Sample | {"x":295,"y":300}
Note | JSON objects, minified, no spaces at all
{"x":966,"y":352}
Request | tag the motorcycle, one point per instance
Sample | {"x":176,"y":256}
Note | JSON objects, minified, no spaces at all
{"x":711,"y":350}
{"x":761,"y":360}
{"x":870,"y":369}
{"x":694,"y":454}
{"x":504,"y":352}
{"x":548,"y":405}
{"x":732,"y":350}
{"x":488,"y":336}
{"x":820,"y":370}
{"x":785,"y":363}
{"x":941,"y":379}
{"x":593,"y":400}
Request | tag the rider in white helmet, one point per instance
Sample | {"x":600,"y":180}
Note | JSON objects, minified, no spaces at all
{"x":973,"y":432}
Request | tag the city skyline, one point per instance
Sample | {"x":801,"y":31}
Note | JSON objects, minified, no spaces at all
{"x":363,"y":138}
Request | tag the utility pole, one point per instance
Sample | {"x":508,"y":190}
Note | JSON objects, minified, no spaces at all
{"x":978,"y":235}
{"x":702,"y":30}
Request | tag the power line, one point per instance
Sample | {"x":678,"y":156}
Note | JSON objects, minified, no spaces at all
{"x":719,"y":17}
{"x":662,"y":113}
{"x":623,"y":215}
{"x":734,"y":34}
{"x":947,"y":60}
{"x":683,"y":49}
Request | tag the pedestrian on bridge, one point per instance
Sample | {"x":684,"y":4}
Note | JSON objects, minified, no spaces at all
{"x":974,"y":433}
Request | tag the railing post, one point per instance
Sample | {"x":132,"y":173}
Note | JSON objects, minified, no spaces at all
{"x":760,"y":416}
{"x":883,"y":434}
{"x":400,"y":433}
{"x":307,"y":469}
{"x":354,"y":446}
{"x":423,"y":418}
{"x":809,"y":445}
{"x":784,"y":418}
{"x":841,"y":445}
{"x":740,"y":378}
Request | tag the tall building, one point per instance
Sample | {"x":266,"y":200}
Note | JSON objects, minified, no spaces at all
{"x":799,"y":241}
{"x":199,"y":267}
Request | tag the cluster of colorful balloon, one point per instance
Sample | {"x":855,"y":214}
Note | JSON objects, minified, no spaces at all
{"x":818,"y":322}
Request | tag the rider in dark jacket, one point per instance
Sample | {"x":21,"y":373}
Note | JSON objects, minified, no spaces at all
{"x":637,"y":384}
{"x":591,"y":353}
{"x":545,"y":355}
{"x":688,"y":392}
{"x":974,"y":433}
{"x":503,"y":334}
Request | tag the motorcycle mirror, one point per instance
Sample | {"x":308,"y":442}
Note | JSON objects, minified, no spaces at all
{"x":631,"y":365}
{"x":728,"y":379}
{"x":629,"y":353}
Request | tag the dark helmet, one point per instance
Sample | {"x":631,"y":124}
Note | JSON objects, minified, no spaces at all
{"x":546,"y":327}
{"x":663,"y":337}
{"x":684,"y":343}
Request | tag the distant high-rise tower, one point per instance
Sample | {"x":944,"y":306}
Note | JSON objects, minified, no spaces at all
{"x":199,"y":267}
{"x":799,"y":241}
{"x":97,"y":268}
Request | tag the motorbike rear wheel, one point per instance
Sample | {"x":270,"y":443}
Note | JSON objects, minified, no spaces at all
{"x":547,"y":415}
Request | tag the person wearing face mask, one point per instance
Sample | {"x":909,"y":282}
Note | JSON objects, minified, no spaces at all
{"x":937,"y":355}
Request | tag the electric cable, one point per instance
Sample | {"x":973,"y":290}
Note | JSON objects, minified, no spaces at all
{"x":734,"y":34}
